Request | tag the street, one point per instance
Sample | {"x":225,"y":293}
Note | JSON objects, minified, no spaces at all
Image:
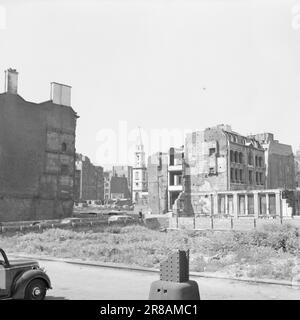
{"x":77,"y":282}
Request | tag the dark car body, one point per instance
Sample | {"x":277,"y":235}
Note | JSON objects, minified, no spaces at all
{"x":17,"y":277}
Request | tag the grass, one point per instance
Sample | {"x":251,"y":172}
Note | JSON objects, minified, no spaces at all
{"x":273,"y":252}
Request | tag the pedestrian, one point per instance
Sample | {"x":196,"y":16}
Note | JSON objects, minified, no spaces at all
{"x":140,"y":216}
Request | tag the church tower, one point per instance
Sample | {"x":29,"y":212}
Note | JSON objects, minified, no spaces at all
{"x":140,"y":184}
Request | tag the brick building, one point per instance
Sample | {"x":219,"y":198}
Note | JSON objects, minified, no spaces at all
{"x":219,"y":159}
{"x":107,"y":177}
{"x":297,"y":168}
{"x":119,"y":188}
{"x":89,"y":180}
{"x":157,"y":169}
{"x":175,"y":172}
{"x":125,"y":172}
{"x":37,"y":154}
{"x":280,"y":162}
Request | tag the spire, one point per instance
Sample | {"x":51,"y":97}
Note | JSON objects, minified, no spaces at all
{"x":139,"y":138}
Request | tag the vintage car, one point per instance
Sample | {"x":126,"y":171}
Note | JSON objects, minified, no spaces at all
{"x":22,"y":279}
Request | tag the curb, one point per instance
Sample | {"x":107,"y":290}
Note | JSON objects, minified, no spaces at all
{"x":153,"y":270}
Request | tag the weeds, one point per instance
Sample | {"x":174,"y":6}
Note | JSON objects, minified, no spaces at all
{"x":268,"y":253}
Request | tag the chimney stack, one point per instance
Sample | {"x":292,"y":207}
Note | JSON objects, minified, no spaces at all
{"x":11,"y":81}
{"x":61,"y":94}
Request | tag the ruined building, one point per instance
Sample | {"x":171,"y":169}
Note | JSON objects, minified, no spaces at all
{"x":221,"y":159}
{"x":89,"y":180}
{"x":37,"y":154}
{"x":125,"y":172}
{"x":231,"y":174}
{"x":158,"y":182}
{"x":280,"y":162}
{"x":175,"y":172}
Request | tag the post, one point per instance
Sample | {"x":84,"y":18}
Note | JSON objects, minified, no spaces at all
{"x":226,"y":204}
{"x":194,"y":221}
{"x":212,"y":222}
{"x":235,"y":205}
{"x":254,"y":223}
{"x":278,"y":205}
{"x":231,"y":223}
{"x":246,"y":204}
{"x":256,"y":205}
{"x":216,"y":209}
{"x":267,"y":205}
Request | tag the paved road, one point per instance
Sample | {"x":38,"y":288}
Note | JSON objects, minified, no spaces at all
{"x":97,"y":283}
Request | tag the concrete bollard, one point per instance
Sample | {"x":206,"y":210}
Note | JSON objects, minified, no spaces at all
{"x":174,"y":283}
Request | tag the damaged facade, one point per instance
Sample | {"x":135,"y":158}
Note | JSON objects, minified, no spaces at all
{"x":158,"y":182}
{"x":89,"y":180}
{"x":37,"y":154}
{"x":175,"y":171}
{"x":228,"y":173}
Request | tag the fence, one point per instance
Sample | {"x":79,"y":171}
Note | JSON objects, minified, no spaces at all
{"x":82,"y":224}
{"x":230,"y":223}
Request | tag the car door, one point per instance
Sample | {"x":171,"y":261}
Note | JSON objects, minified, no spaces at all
{"x":4,"y":289}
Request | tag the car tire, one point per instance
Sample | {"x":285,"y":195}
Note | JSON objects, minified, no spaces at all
{"x":36,"y":290}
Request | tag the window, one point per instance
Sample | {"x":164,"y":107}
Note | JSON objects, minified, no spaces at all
{"x":250,"y":177}
{"x":250,"y":158}
{"x":257,"y":179}
{"x":137,"y":175}
{"x":260,"y":178}
{"x":256,"y":161}
{"x":241,"y":175}
{"x":231,"y":156}
{"x":63,"y":147}
{"x":212,"y":151}
{"x":240,"y":157}
{"x":260,"y":162}
{"x":231,"y":175}
{"x":236,"y":157}
{"x":236,"y":175}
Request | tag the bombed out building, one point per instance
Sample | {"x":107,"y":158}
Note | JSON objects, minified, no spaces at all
{"x":89,"y":180}
{"x":230,"y":174}
{"x":37,"y":154}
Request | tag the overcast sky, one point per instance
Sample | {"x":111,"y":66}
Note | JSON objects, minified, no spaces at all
{"x":159,"y":65}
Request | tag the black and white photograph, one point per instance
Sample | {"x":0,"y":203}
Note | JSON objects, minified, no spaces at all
{"x":149,"y":152}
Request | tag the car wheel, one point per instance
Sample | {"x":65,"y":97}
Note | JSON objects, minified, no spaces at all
{"x":35,"y":290}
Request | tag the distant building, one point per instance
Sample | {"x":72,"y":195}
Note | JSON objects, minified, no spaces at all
{"x":89,"y":180}
{"x":219,"y":159}
{"x":175,"y":172}
{"x":125,"y":172}
{"x":119,"y":188}
{"x":37,"y":154}
{"x":279,"y":160}
{"x":140,"y":184}
{"x":158,"y":183}
{"x":297,"y":168}
{"x":107,"y":177}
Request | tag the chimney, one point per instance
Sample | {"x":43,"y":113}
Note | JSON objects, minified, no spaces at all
{"x":61,"y":94}
{"x":11,"y":81}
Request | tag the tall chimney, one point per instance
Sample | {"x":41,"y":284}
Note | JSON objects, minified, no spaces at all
{"x":11,"y":81}
{"x":60,"y":94}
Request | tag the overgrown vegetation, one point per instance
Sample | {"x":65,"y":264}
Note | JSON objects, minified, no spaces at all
{"x":273,"y":252}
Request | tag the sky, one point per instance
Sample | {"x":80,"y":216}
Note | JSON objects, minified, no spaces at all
{"x":166,"y":66}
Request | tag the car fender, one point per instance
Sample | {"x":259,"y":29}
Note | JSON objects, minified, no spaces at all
{"x":18,"y":290}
